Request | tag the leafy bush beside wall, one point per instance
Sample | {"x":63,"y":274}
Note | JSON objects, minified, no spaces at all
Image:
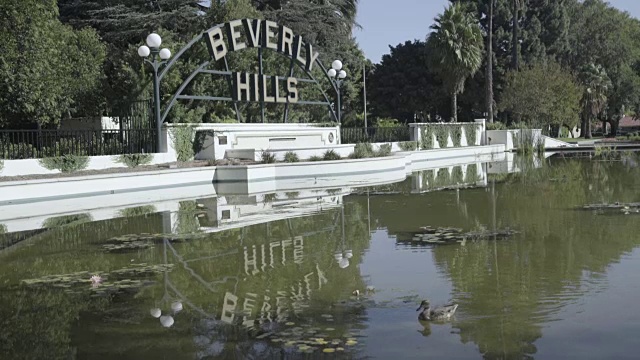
{"x":183,"y":142}
{"x":426,"y":139}
{"x":134,"y":160}
{"x":471,"y":132}
{"x":65,"y":163}
{"x":408,"y":145}
{"x":456,"y":135}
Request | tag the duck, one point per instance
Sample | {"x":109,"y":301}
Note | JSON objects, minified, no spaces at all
{"x":437,"y":314}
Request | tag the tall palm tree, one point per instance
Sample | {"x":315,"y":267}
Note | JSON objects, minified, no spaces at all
{"x":596,"y":84}
{"x":455,"y":49}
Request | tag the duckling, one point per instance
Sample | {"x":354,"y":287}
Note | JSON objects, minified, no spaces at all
{"x":439,"y":313}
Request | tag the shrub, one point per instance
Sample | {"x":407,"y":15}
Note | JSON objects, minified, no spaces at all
{"x":3,"y":229}
{"x":456,"y":135}
{"x":1,"y":165}
{"x":471,"y":132}
{"x":183,"y":141}
{"x":267,"y":157}
{"x":518,"y":125}
{"x":408,"y":145}
{"x":134,"y":160}
{"x":472,"y":174}
{"x":384,"y":150}
{"x":497,"y":125}
{"x":20,"y":151}
{"x":427,"y":138}
{"x":65,"y":163}
{"x":291,"y":157}
{"x":442,"y":134}
{"x":361,"y":151}
{"x":331,"y":155}
{"x":315,"y":158}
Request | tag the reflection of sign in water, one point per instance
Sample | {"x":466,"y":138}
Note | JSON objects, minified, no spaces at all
{"x":241,"y":34}
{"x":256,"y":259}
{"x":272,"y":308}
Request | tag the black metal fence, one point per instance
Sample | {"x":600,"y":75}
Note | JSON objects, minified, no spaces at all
{"x":30,"y":144}
{"x":375,"y":134}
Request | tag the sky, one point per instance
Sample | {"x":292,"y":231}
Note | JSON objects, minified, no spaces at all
{"x":387,"y":23}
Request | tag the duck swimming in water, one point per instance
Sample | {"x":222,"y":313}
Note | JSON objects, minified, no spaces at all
{"x":437,"y":314}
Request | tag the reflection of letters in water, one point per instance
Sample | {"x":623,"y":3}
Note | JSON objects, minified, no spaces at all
{"x":256,"y":259}
{"x":284,"y":301}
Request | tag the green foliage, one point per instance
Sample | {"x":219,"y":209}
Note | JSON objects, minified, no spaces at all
{"x":183,"y":142}
{"x":315,"y":158}
{"x":457,"y":177}
{"x":1,"y":165}
{"x":138,"y":211}
{"x":384,"y":150}
{"x":187,"y":222}
{"x":542,"y":95}
{"x":331,"y":155}
{"x":471,"y":133}
{"x":496,"y":125}
{"x":426,"y":142}
{"x":66,"y":220}
{"x":267,"y":157}
{"x":362,"y":151}
{"x":456,"y":135}
{"x":472,"y":174}
{"x":291,"y":157}
{"x":48,"y":70}
{"x":386,"y":122}
{"x":443,"y":178}
{"x":269,"y":198}
{"x":455,"y":48}
{"x":596,"y":84}
{"x":408,"y":145}
{"x":65,"y":163}
{"x":134,"y":160}
{"x":442,"y":134}
{"x":3,"y":229}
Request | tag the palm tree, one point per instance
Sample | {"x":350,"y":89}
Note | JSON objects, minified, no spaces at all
{"x":455,"y":49}
{"x":596,"y":84}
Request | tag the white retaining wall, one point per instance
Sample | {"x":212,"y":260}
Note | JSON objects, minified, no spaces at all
{"x":418,"y":128}
{"x":33,"y":167}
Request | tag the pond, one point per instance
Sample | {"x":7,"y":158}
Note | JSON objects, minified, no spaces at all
{"x":534,"y":274}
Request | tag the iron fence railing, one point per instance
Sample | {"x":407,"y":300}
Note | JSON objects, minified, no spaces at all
{"x":31,"y":144}
{"x":375,"y":134}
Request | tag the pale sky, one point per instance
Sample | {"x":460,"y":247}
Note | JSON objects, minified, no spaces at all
{"x":387,"y":23}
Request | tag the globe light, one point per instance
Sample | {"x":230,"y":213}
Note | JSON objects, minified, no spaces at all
{"x":165,"y":54}
{"x":166,"y":321}
{"x":176,"y":306}
{"x":154,"y":40}
{"x":331,"y":73}
{"x":144,"y":51}
{"x":155,"y":313}
{"x":342,"y":74}
{"x":337,"y":65}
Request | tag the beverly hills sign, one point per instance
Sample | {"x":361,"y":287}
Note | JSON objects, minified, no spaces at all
{"x":237,"y":35}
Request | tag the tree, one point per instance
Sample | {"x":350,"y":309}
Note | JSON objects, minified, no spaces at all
{"x":455,"y":48}
{"x":596,"y":85}
{"x":543,"y":94}
{"x":46,"y":68}
{"x":489,"y":81}
{"x":402,"y":87}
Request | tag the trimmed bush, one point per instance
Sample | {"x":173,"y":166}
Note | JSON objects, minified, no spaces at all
{"x":315,"y":158}
{"x":471,"y":132}
{"x":496,"y":125}
{"x":361,"y":151}
{"x":408,"y":145}
{"x":384,"y":150}
{"x":331,"y":155}
{"x":427,"y":139}
{"x":65,"y":163}
{"x":456,"y":135}
{"x":291,"y":157}
{"x":267,"y":157}
{"x":134,"y":160}
{"x":442,"y":135}
{"x":1,"y":165}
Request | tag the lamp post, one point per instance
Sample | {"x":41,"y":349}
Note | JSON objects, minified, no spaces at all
{"x":153,"y":48}
{"x":337,"y":76}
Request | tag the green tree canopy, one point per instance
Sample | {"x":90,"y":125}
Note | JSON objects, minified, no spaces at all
{"x":45,"y":66}
{"x":455,"y":49}
{"x":543,"y":94}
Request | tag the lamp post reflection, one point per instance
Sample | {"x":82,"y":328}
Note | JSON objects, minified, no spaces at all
{"x":343,"y":256}
{"x":167,"y":319}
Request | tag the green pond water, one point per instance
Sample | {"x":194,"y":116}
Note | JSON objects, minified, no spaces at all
{"x":566,"y":285}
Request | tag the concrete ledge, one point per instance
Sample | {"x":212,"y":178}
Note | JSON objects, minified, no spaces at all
{"x":16,"y":192}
